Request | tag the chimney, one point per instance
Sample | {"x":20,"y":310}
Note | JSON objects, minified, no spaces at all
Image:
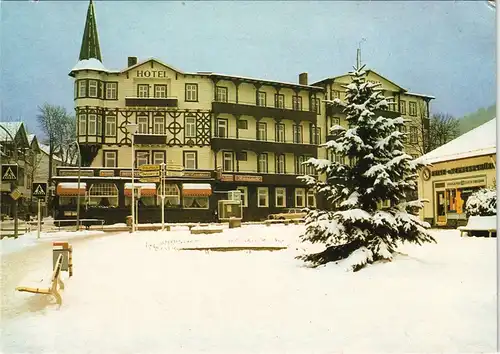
{"x":303,"y":79}
{"x":132,"y":61}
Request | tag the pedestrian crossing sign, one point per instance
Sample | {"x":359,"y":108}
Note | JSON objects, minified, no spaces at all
{"x":39,"y":190}
{"x":9,"y":172}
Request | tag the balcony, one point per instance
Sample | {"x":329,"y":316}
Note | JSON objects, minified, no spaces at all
{"x":150,"y":139}
{"x":260,"y":146}
{"x":261,"y":111}
{"x":332,"y":110}
{"x":151,"y":102}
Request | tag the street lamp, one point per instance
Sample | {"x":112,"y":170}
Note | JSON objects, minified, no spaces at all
{"x":131,"y":129}
{"x":78,"y":195}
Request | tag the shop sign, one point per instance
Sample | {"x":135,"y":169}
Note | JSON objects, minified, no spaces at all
{"x":129,"y":173}
{"x":150,"y":173}
{"x":149,"y":167}
{"x":226,"y":178}
{"x":473,"y":168}
{"x":193,"y":174}
{"x":106,"y":173}
{"x":150,"y":180}
{"x":243,"y":178}
{"x":466,"y":182}
{"x":85,"y":173}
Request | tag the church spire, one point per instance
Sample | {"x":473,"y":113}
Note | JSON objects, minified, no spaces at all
{"x":90,"y":42}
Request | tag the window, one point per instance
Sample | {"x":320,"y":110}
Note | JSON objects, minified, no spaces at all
{"x":142,"y":123}
{"x":190,"y":127}
{"x":111,"y":90}
{"x":334,"y":94}
{"x":92,"y":124}
{"x":110,"y":159}
{"x":244,"y":195}
{"x":261,"y":99}
{"x":316,"y":103}
{"x":338,"y":158}
{"x":262,"y":131}
{"x":141,"y":158}
{"x":222,"y":128}
{"x":402,"y":107}
{"x":172,"y":195}
{"x":92,"y":88}
{"x":192,"y":92}
{"x":190,"y":160}
{"x":82,"y":88}
{"x":297,"y":134}
{"x":280,"y":163}
{"x":300,"y":168}
{"x":311,"y":199}
{"x":221,"y":94}
{"x":159,"y":125}
{"x":280,"y":197}
{"x":110,"y":128}
{"x":262,"y":197}
{"x":99,"y":125}
{"x":297,"y":103}
{"x":413,"y":135}
{"x":101,"y":90}
{"x":161,"y":91}
{"x":242,"y":156}
{"x":300,"y":195}
{"x":242,"y":124}
{"x":195,"y":202}
{"x":262,"y":163}
{"x":279,"y":100}
{"x":82,"y":124}
{"x":334,"y":121}
{"x":158,"y":157}
{"x":143,"y":91}
{"x":103,"y":195}
{"x":280,"y":132}
{"x":403,"y":130}
{"x":317,"y":136}
{"x":413,"y":108}
{"x":227,"y":161}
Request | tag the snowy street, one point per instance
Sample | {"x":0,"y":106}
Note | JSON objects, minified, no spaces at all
{"x":138,"y":294}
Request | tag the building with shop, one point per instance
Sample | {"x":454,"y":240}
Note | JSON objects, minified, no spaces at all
{"x":455,"y":171}
{"x":215,"y":133}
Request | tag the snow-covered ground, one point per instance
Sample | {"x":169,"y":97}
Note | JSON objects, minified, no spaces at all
{"x":138,"y":293}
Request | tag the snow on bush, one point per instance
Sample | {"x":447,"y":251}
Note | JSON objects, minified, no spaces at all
{"x":482,"y":203}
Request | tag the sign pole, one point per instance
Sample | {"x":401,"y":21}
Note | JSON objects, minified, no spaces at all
{"x":162,"y":188}
{"x":39,"y":218}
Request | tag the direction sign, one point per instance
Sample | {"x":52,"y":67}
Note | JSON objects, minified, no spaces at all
{"x":16,"y":194}
{"x":150,"y":173}
{"x":39,"y":190}
{"x":9,"y":172}
{"x":149,"y":167}
{"x":150,"y":180}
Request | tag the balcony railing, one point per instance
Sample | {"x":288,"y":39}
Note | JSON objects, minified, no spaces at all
{"x":151,"y":102}
{"x":254,"y":110}
{"x":281,"y":179}
{"x":260,"y":146}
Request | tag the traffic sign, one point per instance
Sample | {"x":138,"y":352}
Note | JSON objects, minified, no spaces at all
{"x":39,"y":190}
{"x":150,"y":180}
{"x":9,"y":172}
{"x":149,"y":167}
{"x":16,"y":194}
{"x":150,"y":173}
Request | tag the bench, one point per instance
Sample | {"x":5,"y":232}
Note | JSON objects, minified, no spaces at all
{"x":480,"y":223}
{"x":54,"y":283}
{"x":85,"y":222}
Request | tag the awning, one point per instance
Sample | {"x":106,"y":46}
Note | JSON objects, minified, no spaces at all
{"x":196,"y":189}
{"x":147,"y":189}
{"x":71,"y":189}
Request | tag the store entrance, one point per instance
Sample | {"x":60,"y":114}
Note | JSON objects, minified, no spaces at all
{"x":440,"y":208}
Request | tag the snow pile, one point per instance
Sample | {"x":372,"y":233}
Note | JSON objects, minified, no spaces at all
{"x":89,"y":64}
{"x":482,"y":203}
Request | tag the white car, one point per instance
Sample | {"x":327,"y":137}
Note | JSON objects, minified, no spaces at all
{"x":292,"y":213}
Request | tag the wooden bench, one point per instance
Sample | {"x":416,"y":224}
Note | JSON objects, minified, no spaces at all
{"x":480,"y":223}
{"x":85,"y":222}
{"x":54,"y":284}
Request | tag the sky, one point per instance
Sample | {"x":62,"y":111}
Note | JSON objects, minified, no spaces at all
{"x":441,"y":48}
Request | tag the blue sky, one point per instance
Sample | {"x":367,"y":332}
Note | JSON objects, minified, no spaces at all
{"x":445,"y":49}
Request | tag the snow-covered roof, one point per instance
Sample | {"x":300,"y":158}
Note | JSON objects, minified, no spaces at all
{"x":477,"y":142}
{"x":11,"y":127}
{"x":89,"y":64}
{"x":196,"y":186}
{"x":46,"y":150}
{"x":419,"y":95}
{"x":31,"y":137}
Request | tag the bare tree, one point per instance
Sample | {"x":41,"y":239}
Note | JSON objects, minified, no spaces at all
{"x":443,"y":128}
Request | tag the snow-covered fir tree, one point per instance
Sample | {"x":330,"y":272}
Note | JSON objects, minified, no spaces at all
{"x":375,"y":169}
{"x":483,"y":202}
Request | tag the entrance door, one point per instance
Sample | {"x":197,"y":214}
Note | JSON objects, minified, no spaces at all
{"x":440,"y":208}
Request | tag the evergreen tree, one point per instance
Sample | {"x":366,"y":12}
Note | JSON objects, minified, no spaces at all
{"x":375,"y":169}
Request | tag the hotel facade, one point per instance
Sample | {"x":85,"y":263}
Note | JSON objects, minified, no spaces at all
{"x":215,"y":133}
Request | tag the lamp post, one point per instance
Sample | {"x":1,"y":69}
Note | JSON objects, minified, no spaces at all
{"x":13,"y":184}
{"x":132,"y":128}
{"x":78,"y":195}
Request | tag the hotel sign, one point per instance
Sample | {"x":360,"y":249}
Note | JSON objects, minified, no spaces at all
{"x":151,"y":73}
{"x":193,"y":174}
{"x":464,"y":169}
{"x":466,"y":182}
{"x":244,"y":178}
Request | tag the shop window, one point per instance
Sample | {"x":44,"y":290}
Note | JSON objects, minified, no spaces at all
{"x":195,"y":202}
{"x":262,"y":197}
{"x":104,"y":195}
{"x":172,"y":195}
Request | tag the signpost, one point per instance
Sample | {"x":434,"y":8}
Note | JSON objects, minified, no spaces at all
{"x":39,"y":192}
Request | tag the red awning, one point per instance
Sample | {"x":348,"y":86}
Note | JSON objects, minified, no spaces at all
{"x":147,"y":189}
{"x":70,"y":189}
{"x":196,"y":190}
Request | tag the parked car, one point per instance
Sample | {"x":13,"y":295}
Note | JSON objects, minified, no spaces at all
{"x":292,"y":213}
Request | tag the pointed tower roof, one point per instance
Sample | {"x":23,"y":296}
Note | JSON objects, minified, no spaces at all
{"x":90,"y":42}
